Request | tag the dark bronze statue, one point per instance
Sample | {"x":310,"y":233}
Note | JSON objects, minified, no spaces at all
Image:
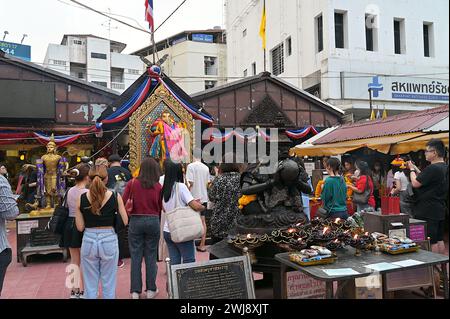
{"x":278,"y":202}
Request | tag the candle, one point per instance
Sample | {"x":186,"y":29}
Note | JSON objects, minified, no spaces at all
{"x":337,"y":220}
{"x":325,"y":230}
{"x":292,"y":230}
{"x":249,"y":236}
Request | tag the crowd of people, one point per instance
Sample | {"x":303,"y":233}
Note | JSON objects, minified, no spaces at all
{"x":105,"y":195}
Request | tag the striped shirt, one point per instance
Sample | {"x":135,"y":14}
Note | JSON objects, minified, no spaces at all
{"x":8,"y":210}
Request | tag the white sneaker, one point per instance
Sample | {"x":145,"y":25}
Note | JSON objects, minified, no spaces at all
{"x":135,"y":295}
{"x":152,"y":294}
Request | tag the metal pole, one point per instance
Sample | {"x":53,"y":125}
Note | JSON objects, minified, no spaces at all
{"x":169,"y":279}
{"x":370,"y":101}
{"x":154,"y":47}
{"x":265,"y":47}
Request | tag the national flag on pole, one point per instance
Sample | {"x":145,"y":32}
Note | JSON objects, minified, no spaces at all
{"x":378,"y":114}
{"x":262,"y":28}
{"x":149,"y":14}
{"x":372,"y":115}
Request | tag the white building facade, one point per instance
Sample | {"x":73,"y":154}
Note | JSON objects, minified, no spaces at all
{"x":338,"y":49}
{"x":194,"y":60}
{"x":95,"y":60}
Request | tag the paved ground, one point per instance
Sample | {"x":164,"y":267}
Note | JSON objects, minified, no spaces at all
{"x":45,"y":277}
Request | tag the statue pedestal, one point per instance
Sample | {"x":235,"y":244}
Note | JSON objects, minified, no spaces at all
{"x":42,"y":212}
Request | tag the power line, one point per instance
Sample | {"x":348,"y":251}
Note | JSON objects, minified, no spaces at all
{"x":108,"y":16}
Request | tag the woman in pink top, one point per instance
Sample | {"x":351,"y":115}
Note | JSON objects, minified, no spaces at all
{"x":71,"y":237}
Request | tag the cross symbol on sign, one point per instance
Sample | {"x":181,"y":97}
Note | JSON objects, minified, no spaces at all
{"x":376,"y":86}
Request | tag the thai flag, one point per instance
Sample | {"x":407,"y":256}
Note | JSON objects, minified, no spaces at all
{"x":149,"y":14}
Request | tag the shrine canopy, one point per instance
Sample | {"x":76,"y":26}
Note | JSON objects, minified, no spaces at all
{"x":400,"y":134}
{"x":118,"y":114}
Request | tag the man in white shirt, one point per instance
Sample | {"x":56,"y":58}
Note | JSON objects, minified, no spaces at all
{"x":198,"y":178}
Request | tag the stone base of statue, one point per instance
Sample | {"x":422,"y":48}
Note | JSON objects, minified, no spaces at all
{"x":279,"y":218}
{"x":42,"y":212}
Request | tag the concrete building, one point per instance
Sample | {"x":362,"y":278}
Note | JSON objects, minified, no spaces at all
{"x":195,"y":60}
{"x":339,"y":49}
{"x":95,"y":60}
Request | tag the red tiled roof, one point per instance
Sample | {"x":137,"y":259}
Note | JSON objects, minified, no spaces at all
{"x":399,"y":124}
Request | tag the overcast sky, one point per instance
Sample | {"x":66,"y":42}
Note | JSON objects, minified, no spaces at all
{"x":46,"y":21}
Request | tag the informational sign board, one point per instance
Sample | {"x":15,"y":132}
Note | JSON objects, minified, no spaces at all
{"x":392,"y":88}
{"x":302,"y":286}
{"x":203,"y":38}
{"x":229,"y":278}
{"x":417,"y":232}
{"x":24,"y":227}
{"x":20,"y":51}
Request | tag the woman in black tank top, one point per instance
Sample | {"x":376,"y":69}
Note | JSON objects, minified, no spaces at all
{"x":95,"y":215}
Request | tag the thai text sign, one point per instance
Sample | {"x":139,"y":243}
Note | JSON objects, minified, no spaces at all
{"x":302,"y":286}
{"x":393,"y":88}
{"x":17,"y":50}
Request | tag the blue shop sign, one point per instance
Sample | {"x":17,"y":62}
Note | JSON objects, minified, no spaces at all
{"x":203,"y":38}
{"x":17,"y":50}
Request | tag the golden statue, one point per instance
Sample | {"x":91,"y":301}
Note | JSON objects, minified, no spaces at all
{"x":51,"y":183}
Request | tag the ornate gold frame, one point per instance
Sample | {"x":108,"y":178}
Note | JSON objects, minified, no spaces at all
{"x":161,"y":94}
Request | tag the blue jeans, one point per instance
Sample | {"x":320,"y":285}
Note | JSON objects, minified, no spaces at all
{"x":99,"y":257}
{"x":342,"y":215}
{"x":143,"y":240}
{"x":180,"y":251}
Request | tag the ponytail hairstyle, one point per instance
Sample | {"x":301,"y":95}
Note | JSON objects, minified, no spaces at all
{"x":97,"y":190}
{"x":335,"y":165}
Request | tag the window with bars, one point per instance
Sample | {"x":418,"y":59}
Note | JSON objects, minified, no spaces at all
{"x":278,"y":59}
{"x":100,"y":83}
{"x":254,"y":68}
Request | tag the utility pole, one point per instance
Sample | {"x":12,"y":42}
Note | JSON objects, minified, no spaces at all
{"x":370,"y":101}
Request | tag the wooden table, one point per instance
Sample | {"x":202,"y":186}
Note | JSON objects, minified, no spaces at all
{"x":347,"y":259}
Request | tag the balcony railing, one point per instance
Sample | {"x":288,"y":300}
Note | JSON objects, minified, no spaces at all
{"x":117,"y":86}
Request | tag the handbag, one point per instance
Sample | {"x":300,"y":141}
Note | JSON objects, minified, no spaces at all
{"x":185,"y":224}
{"x":129,"y":203}
{"x":324,"y":213}
{"x":57,"y":222}
{"x":119,"y":225}
{"x":362,"y":198}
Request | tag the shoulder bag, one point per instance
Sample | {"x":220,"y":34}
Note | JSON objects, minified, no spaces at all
{"x":185,"y":224}
{"x":324,"y":213}
{"x":362,"y":198}
{"x":57,"y":222}
{"x":129,"y":203}
{"x":119,"y":225}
